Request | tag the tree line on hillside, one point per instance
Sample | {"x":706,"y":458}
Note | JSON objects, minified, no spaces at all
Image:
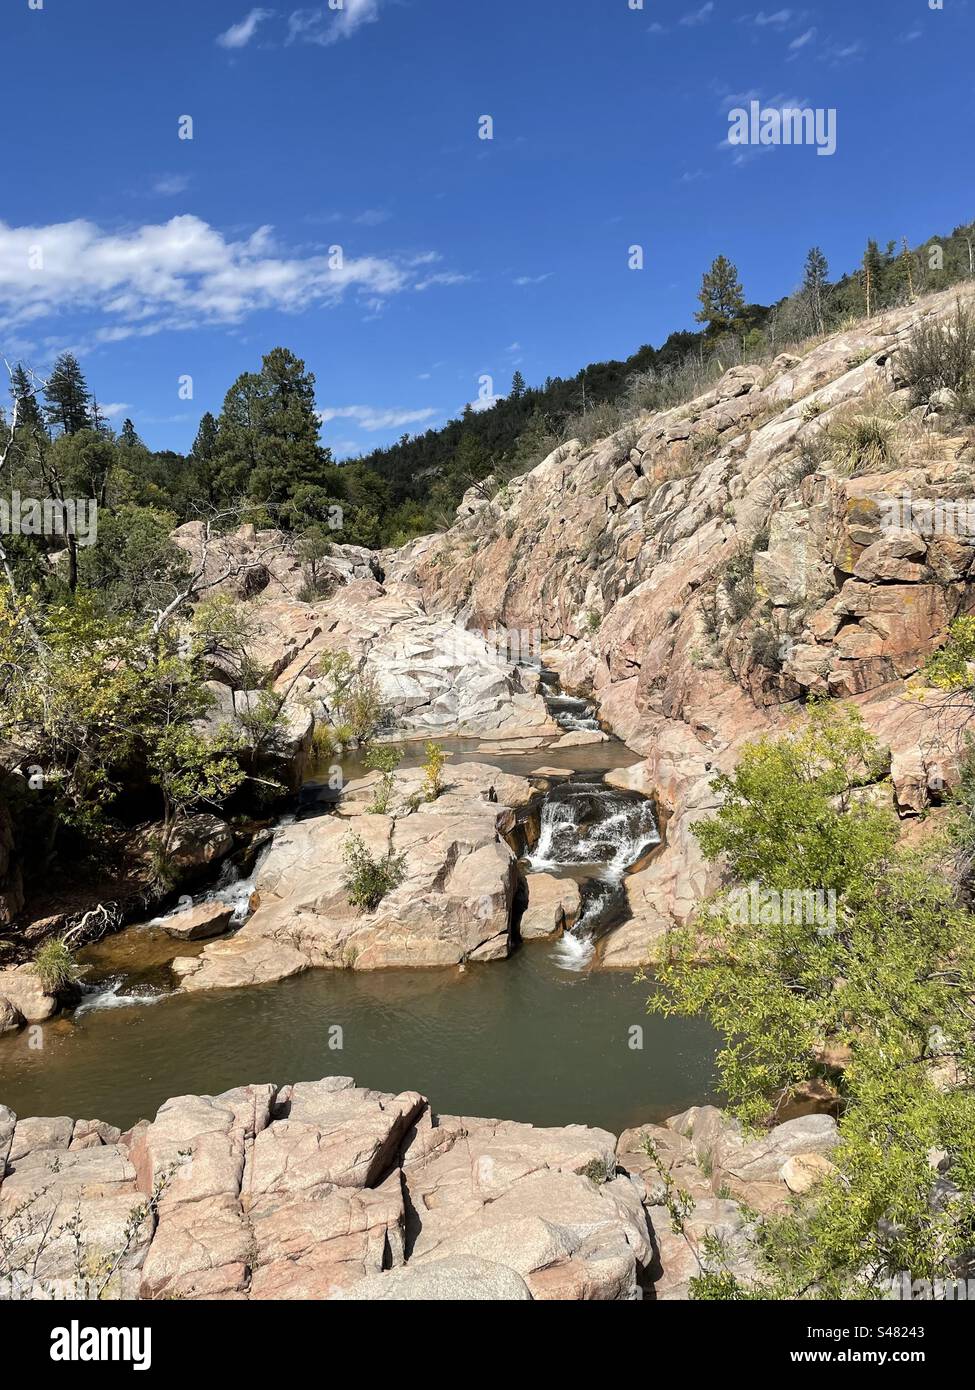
{"x":264,"y":448}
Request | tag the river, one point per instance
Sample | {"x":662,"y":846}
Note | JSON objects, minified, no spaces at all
{"x":540,"y":1037}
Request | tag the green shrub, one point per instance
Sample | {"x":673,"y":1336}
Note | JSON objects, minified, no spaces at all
{"x":433,"y":767}
{"x":940,"y":355}
{"x":55,"y":967}
{"x":384,"y":760}
{"x":863,"y":444}
{"x":367,"y":880}
{"x":739,"y":581}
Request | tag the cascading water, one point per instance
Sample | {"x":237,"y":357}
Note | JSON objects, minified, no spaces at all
{"x":571,"y":713}
{"x":594,"y":833}
{"x":233,"y":891}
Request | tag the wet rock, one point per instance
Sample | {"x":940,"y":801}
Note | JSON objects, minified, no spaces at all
{"x":199,"y":923}
{"x":10,"y":1018}
{"x":553,"y":905}
{"x":454,"y":903}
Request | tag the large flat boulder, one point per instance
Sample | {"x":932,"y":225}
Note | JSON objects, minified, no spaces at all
{"x":454,"y":902}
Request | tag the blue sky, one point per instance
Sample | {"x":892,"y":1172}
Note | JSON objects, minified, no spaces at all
{"x":157,"y":258}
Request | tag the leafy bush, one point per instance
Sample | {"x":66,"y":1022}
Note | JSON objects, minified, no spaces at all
{"x":940,"y":355}
{"x":384,"y":760}
{"x":951,"y":668}
{"x":433,"y":767}
{"x":367,"y":880}
{"x":55,"y":967}
{"x":889,"y":980}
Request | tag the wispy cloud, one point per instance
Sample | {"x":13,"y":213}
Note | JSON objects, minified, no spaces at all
{"x":700,"y":16}
{"x":534,"y":279}
{"x":779,"y":19}
{"x":371,"y":417}
{"x":177,"y":274}
{"x":239,"y":35}
{"x":802,"y":40}
{"x":326,"y":26}
{"x":170,"y":185}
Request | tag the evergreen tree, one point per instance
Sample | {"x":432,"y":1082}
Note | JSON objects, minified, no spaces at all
{"x":814,"y":283}
{"x":23,"y":391}
{"x":67,"y":396}
{"x":722,"y":298}
{"x":517,"y":387}
{"x":267,"y":440}
{"x":129,"y":439}
{"x":203,"y":458}
{"x":873,"y":276}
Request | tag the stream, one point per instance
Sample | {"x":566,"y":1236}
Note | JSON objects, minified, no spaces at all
{"x":539,"y":1038}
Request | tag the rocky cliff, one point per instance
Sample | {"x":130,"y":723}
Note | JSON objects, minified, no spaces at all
{"x":706,"y":570}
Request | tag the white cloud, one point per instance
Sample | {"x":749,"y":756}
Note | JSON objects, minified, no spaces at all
{"x":700,"y":16}
{"x":779,"y":19}
{"x":169,"y":185}
{"x":371,"y":417}
{"x":534,"y":279}
{"x":802,"y":40}
{"x":239,"y":35}
{"x":176,"y":274}
{"x":442,"y":277}
{"x":114,"y":408}
{"x":324,"y":26}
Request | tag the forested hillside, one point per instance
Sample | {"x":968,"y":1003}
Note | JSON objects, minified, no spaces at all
{"x":264,"y":450}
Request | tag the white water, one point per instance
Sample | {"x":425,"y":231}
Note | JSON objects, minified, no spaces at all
{"x":230,"y":889}
{"x":588,"y":824}
{"x":108,"y":997}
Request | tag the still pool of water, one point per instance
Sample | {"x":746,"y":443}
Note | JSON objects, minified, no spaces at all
{"x":518,"y":1039}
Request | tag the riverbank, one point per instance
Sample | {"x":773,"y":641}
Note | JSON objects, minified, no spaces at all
{"x":325,"y":1190}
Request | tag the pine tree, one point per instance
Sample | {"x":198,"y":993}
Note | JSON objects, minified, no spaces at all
{"x":129,"y":438}
{"x":722,"y":298}
{"x":873,"y":276}
{"x":23,"y":391}
{"x":67,"y":396}
{"x":517,"y":387}
{"x":815,"y":282}
{"x":267,"y":443}
{"x":203,"y":461}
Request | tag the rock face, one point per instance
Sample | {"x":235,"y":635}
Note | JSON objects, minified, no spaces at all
{"x":326,"y":1190}
{"x":454,"y":902}
{"x":432,"y":674}
{"x":851,"y":579}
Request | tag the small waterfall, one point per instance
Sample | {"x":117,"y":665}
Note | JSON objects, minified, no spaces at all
{"x":596,"y":833}
{"x":571,"y":713}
